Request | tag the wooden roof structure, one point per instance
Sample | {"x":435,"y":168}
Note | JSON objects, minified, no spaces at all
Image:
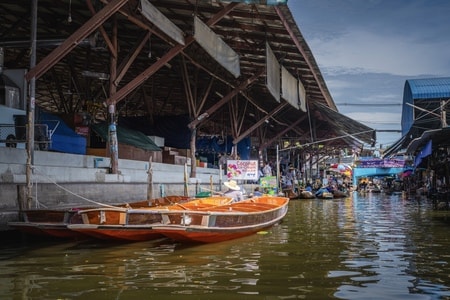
{"x":93,"y":53}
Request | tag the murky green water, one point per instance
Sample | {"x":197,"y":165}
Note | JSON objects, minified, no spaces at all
{"x":371,"y":247}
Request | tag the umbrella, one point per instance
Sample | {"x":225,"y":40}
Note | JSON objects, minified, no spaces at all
{"x":406,"y":173}
{"x":341,"y":169}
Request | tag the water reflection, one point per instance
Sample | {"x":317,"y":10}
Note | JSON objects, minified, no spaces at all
{"x":371,"y":247}
{"x":382,"y":236}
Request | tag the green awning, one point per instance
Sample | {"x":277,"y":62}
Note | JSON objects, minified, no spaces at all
{"x":127,"y":136}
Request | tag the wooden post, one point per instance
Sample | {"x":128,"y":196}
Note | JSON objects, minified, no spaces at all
{"x":30,"y":110}
{"x":220,"y":176}
{"x":22,"y":197}
{"x":150,"y":180}
{"x":211,"y":184}
{"x":112,"y":128}
{"x":185,"y":181}
{"x":193,"y":150}
{"x":113,"y":142}
{"x":196,"y":187}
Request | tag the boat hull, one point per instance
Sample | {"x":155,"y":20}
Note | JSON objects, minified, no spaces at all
{"x":49,"y":223}
{"x":340,"y":194}
{"x":306,"y":195}
{"x":117,"y":233}
{"x":28,"y":228}
{"x":208,"y":235}
{"x":54,"y":223}
{"x":135,"y":224}
{"x":227,"y":222}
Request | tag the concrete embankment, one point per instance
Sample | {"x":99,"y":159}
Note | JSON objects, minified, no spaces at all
{"x":63,"y":180}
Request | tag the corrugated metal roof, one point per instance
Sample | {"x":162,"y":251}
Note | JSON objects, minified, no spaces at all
{"x":149,"y":60}
{"x":414,"y":126}
{"x":422,"y":89}
{"x":430,"y":88}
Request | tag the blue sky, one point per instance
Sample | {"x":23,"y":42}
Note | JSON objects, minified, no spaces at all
{"x":367,"y":49}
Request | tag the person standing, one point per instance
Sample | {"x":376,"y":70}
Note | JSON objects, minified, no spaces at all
{"x":267,"y":169}
{"x":223,"y":162}
{"x":290,"y":177}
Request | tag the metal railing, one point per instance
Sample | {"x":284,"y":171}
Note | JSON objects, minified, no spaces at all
{"x":11,"y":135}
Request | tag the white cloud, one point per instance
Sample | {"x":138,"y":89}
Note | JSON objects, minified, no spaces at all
{"x":366,"y":50}
{"x":359,"y":51}
{"x":375,"y":117}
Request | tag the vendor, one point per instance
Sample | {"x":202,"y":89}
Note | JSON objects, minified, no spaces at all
{"x":234,"y":191}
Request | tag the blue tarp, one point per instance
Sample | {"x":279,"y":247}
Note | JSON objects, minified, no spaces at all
{"x":176,"y":133}
{"x":217,"y":145}
{"x":63,"y":139}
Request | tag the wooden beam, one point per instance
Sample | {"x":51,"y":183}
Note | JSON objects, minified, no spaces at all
{"x":70,"y":43}
{"x":126,"y":64}
{"x":101,"y":29}
{"x":259,"y":123}
{"x":306,"y":57}
{"x":225,"y":99}
{"x":269,"y":142}
{"x":139,"y":79}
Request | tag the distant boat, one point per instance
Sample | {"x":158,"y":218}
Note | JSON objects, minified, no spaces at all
{"x":134,"y":224}
{"x":373,"y":188}
{"x":340,"y":194}
{"x":306,"y":195}
{"x":54,"y":222}
{"x":224,"y":222}
{"x":324,"y":193}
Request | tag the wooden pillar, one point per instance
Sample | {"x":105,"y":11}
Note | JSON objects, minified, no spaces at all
{"x":193,"y":150}
{"x":113,"y":142}
{"x":112,"y":128}
{"x":150,"y":180}
{"x":30,"y":111}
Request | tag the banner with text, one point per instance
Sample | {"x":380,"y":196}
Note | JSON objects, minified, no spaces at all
{"x":381,"y":163}
{"x":242,"y":169}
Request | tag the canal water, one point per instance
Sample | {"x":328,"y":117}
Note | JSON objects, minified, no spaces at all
{"x":363,"y":247}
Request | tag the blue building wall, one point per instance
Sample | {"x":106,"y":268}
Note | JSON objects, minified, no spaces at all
{"x":415,"y":89}
{"x":371,"y":172}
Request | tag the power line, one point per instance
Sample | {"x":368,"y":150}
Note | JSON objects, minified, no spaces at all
{"x":378,"y":122}
{"x":387,"y":130}
{"x":369,"y":104}
{"x":326,"y":140}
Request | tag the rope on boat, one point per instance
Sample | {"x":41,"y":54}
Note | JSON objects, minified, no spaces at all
{"x":70,"y":192}
{"x":38,"y":204}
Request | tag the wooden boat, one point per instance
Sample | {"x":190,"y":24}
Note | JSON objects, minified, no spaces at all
{"x":306,"y":195}
{"x":47,"y":222}
{"x":323,"y":193}
{"x":136,"y":224}
{"x":224,"y":222}
{"x":54,"y":222}
{"x":290,"y":194}
{"x":340,"y":194}
{"x":162,"y":201}
{"x":373,"y":189}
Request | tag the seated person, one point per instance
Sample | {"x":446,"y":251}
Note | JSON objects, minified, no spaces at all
{"x":234,"y":191}
{"x":257,"y":192}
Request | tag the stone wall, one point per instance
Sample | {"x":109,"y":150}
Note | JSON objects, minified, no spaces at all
{"x":63,"y":180}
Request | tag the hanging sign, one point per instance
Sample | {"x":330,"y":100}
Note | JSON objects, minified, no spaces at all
{"x":242,"y":169}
